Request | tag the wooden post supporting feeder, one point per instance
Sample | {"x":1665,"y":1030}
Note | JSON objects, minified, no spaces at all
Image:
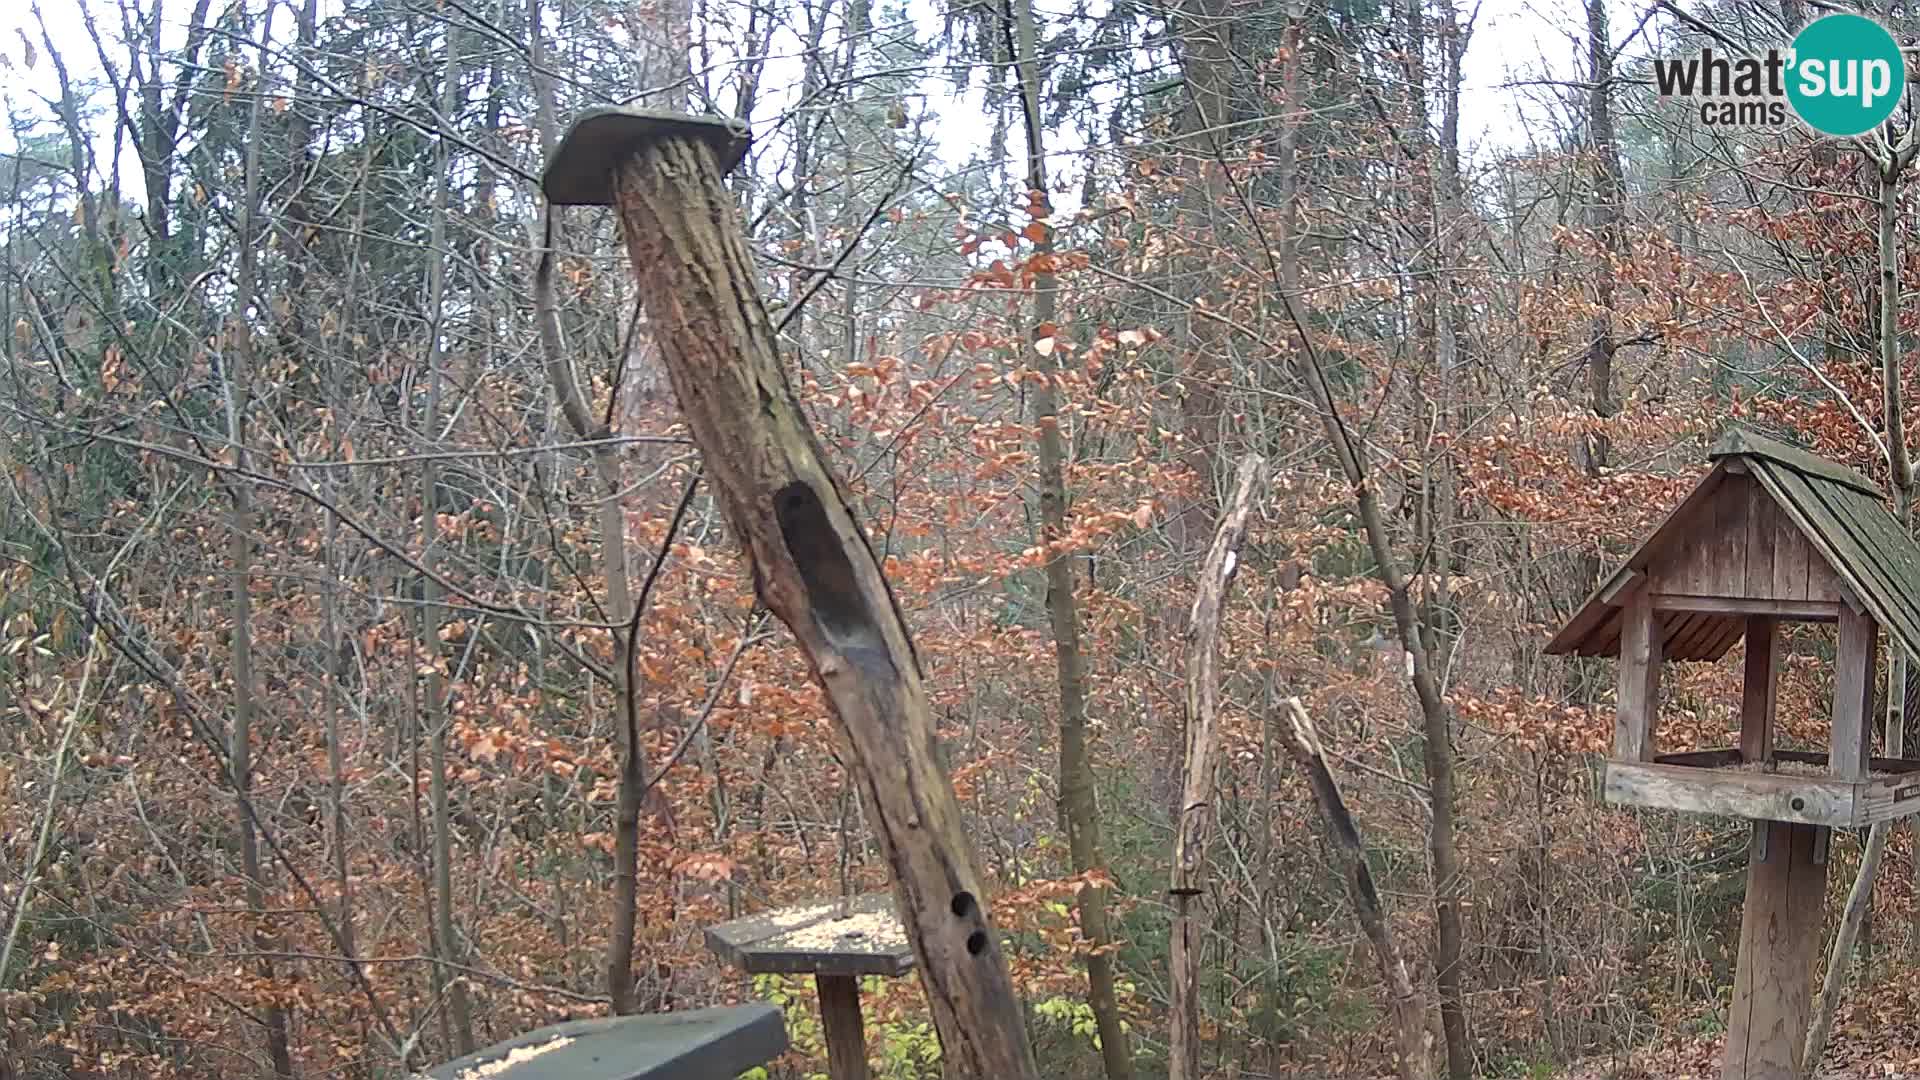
{"x":1772,"y":534}
{"x":811,"y":563}
{"x":837,"y":943}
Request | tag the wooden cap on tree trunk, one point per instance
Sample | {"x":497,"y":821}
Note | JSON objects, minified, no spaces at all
{"x":581,"y":172}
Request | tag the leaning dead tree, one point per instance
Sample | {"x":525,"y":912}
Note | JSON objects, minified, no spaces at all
{"x":1412,"y":1042}
{"x":1196,"y":799}
{"x":811,"y":562}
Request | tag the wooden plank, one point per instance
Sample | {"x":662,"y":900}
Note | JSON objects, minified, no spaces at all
{"x":1757,"y":689}
{"x":1877,"y":765}
{"x":1740,"y":442}
{"x":1829,"y":539}
{"x":1843,"y":527}
{"x":1702,"y":759}
{"x":860,"y":936}
{"x":1887,"y":798}
{"x":1679,"y":525}
{"x":1779,"y":938}
{"x":725,"y":1041}
{"x":1886,"y":544}
{"x":1728,"y":544}
{"x":840,"y":1020}
{"x":1638,"y":695}
{"x":1795,"y":610}
{"x":1760,"y":532}
{"x":1851,"y":742}
{"x":1789,"y":560}
{"x":1734,"y":630}
{"x":1607,"y":641}
{"x":1812,"y":800}
{"x":1672,"y":630}
{"x":1710,"y":629}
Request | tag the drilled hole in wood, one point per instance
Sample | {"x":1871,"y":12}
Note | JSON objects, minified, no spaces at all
{"x":962,"y":904}
{"x":1799,"y":803}
{"x":977,"y":942}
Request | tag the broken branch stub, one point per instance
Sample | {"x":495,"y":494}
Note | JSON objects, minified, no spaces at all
{"x":813,"y":568}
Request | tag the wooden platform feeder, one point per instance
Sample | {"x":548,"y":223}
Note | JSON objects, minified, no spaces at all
{"x":837,"y":942}
{"x":1772,"y":534}
{"x":700,"y":1044}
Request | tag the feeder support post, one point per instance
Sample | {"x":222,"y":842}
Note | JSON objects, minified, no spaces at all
{"x":811,"y":563}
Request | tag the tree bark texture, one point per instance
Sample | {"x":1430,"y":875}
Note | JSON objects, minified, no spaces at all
{"x":813,"y":568}
{"x":1195,"y":826}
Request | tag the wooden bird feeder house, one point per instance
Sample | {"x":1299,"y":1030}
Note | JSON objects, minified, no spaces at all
{"x":1772,"y":534}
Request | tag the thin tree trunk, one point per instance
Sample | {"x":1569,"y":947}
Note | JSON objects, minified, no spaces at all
{"x":1606,"y":214}
{"x":1438,"y":735}
{"x":240,"y":524}
{"x":1196,"y":801}
{"x":446,"y":946}
{"x":574,"y":406}
{"x":1078,"y":800}
{"x":1411,"y":1038}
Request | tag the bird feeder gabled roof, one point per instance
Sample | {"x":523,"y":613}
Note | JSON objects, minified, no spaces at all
{"x":1837,"y":515}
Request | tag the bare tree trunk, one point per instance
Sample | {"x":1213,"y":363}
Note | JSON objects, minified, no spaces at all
{"x":1606,"y":215}
{"x":1078,"y":801}
{"x":446,"y":945}
{"x":1411,"y":1038}
{"x":614,"y":569}
{"x":1196,"y":801}
{"x":1438,"y":735}
{"x":240,"y":524}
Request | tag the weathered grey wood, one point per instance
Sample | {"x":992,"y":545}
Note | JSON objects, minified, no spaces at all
{"x":1638,"y":697}
{"x":699,"y":1044}
{"x":1888,"y":798}
{"x":1597,"y":612}
{"x":1761,"y":527}
{"x":841,"y":1023}
{"x":1721,"y":757}
{"x":1796,"y":610}
{"x":861,"y":936}
{"x":600,"y":139}
{"x":1850,"y":746}
{"x":1729,"y":540}
{"x":1703,"y":759}
{"x":1779,"y":938}
{"x":1813,"y":534}
{"x":1757,"y":689}
{"x":1740,"y":442}
{"x":1812,"y":800}
{"x":1849,"y":552}
{"x":1194,"y":825}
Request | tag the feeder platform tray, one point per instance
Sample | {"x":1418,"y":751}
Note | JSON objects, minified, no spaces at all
{"x":1794,"y":787}
{"x":699,"y":1044}
{"x":861,"y":936}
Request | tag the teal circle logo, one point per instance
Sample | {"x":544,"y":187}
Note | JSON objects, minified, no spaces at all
{"x":1847,"y":75}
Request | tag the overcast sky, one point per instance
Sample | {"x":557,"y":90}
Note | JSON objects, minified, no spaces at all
{"x":1519,"y":48}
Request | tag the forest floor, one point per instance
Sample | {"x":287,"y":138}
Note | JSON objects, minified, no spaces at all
{"x":1876,"y":1037}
